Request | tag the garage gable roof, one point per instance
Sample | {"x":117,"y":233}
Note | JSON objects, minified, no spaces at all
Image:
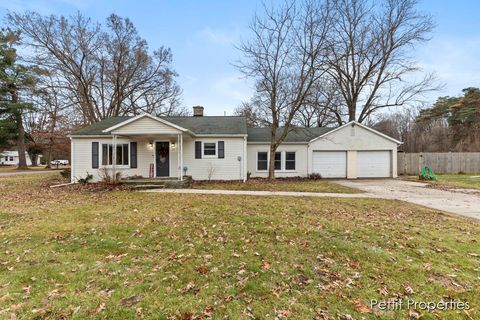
{"x":360,"y":125}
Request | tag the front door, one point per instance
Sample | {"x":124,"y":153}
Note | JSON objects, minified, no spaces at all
{"x":162,"y":153}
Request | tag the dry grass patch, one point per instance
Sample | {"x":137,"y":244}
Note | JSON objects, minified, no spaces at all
{"x":452,"y":181}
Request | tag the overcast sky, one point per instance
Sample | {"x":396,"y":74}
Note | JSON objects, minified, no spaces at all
{"x":202,"y":35}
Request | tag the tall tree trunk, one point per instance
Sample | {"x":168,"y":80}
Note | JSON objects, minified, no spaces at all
{"x":271,"y":162}
{"x":22,"y":159}
{"x":48,"y":156}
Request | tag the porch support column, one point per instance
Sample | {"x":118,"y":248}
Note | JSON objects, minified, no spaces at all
{"x":181,"y":157}
{"x":114,"y":157}
{"x":179,"y":174}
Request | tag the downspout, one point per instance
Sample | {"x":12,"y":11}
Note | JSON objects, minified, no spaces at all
{"x":114,"y":158}
{"x":244,"y":158}
{"x":72,"y":162}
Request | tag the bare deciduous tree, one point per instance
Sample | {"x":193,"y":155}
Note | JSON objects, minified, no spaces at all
{"x":369,"y":54}
{"x":106,"y":71}
{"x":284,"y":56}
{"x":323,"y":107}
{"x":250,"y":111}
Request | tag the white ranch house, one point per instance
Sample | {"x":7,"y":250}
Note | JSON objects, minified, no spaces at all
{"x":223,"y":148}
{"x":11,"y":158}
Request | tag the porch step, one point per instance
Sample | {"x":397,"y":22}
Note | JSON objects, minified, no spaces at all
{"x":158,"y":182}
{"x":153,"y":183}
{"x":147,"y":186}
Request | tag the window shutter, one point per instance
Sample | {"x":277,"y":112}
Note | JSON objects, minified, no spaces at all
{"x":95,"y":155}
{"x":133,"y":154}
{"x":221,"y":149}
{"x":198,"y":149}
{"x":104,"y":154}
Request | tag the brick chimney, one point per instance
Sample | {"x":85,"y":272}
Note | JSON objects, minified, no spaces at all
{"x":198,"y":111}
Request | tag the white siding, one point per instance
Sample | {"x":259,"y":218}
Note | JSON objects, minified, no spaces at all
{"x":5,"y":159}
{"x":82,"y":158}
{"x":300,"y":160}
{"x":145,"y":126}
{"x":353,"y":139}
{"x":228,"y":168}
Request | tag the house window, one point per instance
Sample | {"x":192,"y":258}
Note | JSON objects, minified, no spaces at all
{"x":289,"y":160}
{"x":278,"y":161}
{"x":262,"y":161}
{"x":11,"y":158}
{"x":209,"y":148}
{"x":121,"y":154}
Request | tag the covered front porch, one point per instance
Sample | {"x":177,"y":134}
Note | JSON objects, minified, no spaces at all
{"x":155,"y":148}
{"x":155,"y":156}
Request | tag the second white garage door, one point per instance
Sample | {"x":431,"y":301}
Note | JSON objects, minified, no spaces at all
{"x":373,"y":164}
{"x":330,"y":164}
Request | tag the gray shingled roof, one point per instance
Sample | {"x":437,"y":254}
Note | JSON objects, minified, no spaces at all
{"x":97,"y":128}
{"x":296,"y":135}
{"x":198,"y":125}
{"x":212,"y":125}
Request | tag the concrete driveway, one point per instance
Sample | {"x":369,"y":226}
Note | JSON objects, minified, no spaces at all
{"x":462,"y":202}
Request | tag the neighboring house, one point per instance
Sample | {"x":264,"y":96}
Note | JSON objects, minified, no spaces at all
{"x":223,"y":148}
{"x":10,"y":158}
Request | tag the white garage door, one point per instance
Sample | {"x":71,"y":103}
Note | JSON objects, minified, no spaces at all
{"x":330,"y":164}
{"x":373,"y":164}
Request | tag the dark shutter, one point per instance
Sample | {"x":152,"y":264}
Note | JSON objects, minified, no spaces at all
{"x":95,"y":155}
{"x":105,"y":154}
{"x":133,"y":154}
{"x":221,"y":149}
{"x":198,"y":149}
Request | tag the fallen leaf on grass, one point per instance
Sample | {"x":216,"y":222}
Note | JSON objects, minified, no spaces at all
{"x":41,"y":310}
{"x":187,"y":288}
{"x":345,"y":316}
{"x":208,"y":311}
{"x":130,"y":301}
{"x":265,"y":265}
{"x":413,"y":314}
{"x":322,"y":315}
{"x":383,"y":290}
{"x":360,"y":307}
{"x":407,"y":289}
{"x":202,"y":270}
{"x":101,"y":306}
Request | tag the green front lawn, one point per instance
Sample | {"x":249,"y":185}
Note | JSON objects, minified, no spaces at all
{"x":462,"y":181}
{"x":294,"y":185}
{"x":79,"y":253}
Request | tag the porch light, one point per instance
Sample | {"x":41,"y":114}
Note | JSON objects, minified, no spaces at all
{"x":173,"y":145}
{"x":150,"y":144}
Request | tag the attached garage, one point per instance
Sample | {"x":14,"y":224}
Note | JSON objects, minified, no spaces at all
{"x":330,"y":164}
{"x":374,"y":164}
{"x":353,"y":151}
